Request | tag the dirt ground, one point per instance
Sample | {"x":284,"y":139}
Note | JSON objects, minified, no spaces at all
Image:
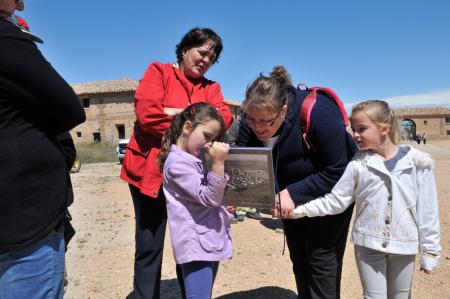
{"x":100,"y":256}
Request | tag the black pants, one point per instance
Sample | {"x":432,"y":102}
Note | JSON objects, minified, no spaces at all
{"x":151,"y":219}
{"x":316,"y":247}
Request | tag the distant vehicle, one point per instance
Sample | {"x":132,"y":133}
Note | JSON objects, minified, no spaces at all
{"x":121,"y":149}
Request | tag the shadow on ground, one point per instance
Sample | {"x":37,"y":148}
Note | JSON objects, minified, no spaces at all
{"x":170,"y":289}
{"x":261,"y":293}
{"x":272,"y":223}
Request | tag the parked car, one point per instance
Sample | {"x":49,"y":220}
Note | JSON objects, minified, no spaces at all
{"x":121,"y":149}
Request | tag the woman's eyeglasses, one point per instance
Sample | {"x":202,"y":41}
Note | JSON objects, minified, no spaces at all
{"x":251,"y":121}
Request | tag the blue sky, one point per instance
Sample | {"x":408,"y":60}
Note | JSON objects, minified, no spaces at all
{"x":361,"y":49}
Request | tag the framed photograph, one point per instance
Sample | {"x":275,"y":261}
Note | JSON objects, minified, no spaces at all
{"x":251,"y":175}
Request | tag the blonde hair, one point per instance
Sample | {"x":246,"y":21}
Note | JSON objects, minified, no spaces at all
{"x":379,"y":112}
{"x":268,"y":92}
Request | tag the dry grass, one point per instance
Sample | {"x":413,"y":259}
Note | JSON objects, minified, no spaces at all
{"x":96,"y":152}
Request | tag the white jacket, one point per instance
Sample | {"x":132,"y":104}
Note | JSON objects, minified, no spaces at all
{"x":396,"y":212}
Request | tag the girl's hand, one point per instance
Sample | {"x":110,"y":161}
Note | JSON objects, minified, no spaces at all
{"x":285,"y":203}
{"x":219,"y":151}
{"x":425,"y":270}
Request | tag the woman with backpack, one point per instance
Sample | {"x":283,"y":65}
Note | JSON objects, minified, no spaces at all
{"x":272,"y":118}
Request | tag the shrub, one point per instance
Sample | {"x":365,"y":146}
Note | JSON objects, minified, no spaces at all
{"x":96,"y":152}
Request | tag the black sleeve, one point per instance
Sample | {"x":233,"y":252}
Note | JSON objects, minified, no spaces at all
{"x":67,"y":148}
{"x":38,"y":89}
{"x":232,"y":132}
{"x":244,"y":135}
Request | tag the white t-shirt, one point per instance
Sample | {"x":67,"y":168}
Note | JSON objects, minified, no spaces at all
{"x":271,"y":142}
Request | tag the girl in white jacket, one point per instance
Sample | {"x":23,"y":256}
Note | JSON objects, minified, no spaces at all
{"x":396,"y":212}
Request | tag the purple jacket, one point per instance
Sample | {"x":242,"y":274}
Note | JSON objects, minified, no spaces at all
{"x":199,"y":223}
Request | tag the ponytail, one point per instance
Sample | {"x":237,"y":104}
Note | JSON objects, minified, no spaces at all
{"x":268,"y":92}
{"x":170,"y":137}
{"x":379,"y":112}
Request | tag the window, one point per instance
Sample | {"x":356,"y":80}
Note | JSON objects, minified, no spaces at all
{"x":97,"y":137}
{"x":447,"y":120}
{"x":86,"y":103}
{"x":78,"y":134}
{"x":448,"y":132}
{"x":425,"y":122}
{"x":121,"y":131}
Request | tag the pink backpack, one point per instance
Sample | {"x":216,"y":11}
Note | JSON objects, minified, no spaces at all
{"x":308,"y":104}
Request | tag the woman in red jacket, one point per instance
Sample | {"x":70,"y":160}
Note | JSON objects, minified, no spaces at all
{"x":164,"y":90}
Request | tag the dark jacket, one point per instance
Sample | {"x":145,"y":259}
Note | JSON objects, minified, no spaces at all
{"x":307,"y":174}
{"x":232,"y":132}
{"x":36,"y":106}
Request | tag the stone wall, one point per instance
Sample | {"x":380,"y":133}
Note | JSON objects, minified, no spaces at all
{"x":105,"y":115}
{"x":112,"y":113}
{"x":106,"y":112}
{"x":434,"y":122}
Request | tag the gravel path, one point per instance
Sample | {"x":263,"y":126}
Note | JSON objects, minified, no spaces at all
{"x":100,"y":256}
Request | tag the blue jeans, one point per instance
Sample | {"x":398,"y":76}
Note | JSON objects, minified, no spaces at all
{"x":34,"y":272}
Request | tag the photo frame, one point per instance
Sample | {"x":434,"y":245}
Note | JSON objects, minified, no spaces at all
{"x":251,"y":182}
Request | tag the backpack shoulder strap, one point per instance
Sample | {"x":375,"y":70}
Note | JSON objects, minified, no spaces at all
{"x":308,"y":104}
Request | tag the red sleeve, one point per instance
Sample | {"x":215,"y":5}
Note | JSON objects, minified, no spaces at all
{"x":149,"y":102}
{"x":216,"y":99}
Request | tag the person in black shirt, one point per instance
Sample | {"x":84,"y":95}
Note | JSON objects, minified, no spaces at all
{"x":37,"y":109}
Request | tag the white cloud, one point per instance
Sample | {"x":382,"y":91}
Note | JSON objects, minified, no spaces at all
{"x":433,"y":99}
{"x":437,"y":98}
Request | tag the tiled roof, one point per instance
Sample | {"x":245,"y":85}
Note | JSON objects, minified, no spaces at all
{"x":423,"y":111}
{"x":116,"y":86}
{"x":106,"y":86}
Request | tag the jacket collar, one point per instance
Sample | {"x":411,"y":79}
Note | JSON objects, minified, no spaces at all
{"x":175,"y":149}
{"x":374,"y":160}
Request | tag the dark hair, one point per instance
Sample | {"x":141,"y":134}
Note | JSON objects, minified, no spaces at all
{"x":198,"y":113}
{"x":379,"y":112}
{"x":197,"y":37}
{"x":268,"y":92}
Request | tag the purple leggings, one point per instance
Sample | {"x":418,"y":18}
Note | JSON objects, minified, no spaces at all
{"x":199,"y":278}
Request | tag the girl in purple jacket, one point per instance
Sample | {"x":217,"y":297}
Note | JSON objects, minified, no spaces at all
{"x":199,"y":223}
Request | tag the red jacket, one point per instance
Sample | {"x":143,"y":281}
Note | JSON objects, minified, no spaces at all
{"x":163,"y":85}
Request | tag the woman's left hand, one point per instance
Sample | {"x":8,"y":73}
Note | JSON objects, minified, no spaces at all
{"x":285,"y":203}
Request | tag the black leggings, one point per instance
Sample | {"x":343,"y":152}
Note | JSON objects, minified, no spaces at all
{"x":316,"y":247}
{"x":151,"y":220}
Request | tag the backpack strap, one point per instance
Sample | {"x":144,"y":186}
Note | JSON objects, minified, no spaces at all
{"x":308,"y":104}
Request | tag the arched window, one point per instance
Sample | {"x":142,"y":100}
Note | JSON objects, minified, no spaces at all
{"x":407,"y":129}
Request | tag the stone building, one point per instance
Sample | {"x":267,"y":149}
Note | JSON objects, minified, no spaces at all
{"x":109,"y":107}
{"x":434,"y":122}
